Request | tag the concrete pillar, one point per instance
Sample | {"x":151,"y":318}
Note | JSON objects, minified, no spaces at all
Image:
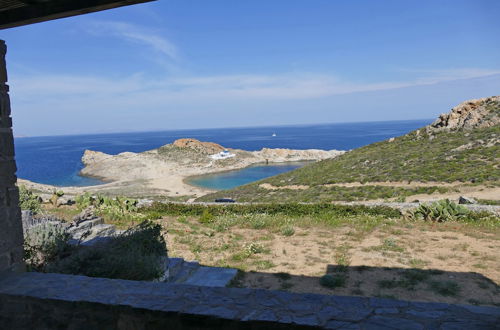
{"x":11,"y":231}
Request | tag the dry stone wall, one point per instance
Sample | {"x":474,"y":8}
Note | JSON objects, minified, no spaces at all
{"x":11,"y":233}
{"x":57,"y":301}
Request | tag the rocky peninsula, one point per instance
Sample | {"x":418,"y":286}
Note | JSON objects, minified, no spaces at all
{"x":163,"y":171}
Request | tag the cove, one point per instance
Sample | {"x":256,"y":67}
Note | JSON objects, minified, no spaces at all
{"x":232,"y":179}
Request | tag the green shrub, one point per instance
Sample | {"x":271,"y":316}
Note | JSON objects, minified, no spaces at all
{"x":443,"y":210}
{"x":45,"y":243}
{"x":333,"y":281}
{"x":134,"y":255}
{"x":116,"y":208}
{"x":28,"y":200}
{"x":287,"y":231}
{"x":488,"y":201}
{"x":255,"y":248}
{"x":206,"y":217}
{"x":445,"y":288}
{"x":291,"y":209}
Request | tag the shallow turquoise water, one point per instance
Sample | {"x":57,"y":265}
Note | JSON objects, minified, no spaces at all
{"x":231,"y":179}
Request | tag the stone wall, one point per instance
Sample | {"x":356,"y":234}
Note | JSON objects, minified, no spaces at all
{"x":11,"y":234}
{"x":57,"y":301}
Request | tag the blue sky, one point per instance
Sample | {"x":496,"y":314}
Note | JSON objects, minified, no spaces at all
{"x":175,"y":64}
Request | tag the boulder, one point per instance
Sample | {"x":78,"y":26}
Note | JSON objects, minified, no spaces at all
{"x":144,"y":203}
{"x":86,"y":214}
{"x":466,"y":200}
{"x":470,"y":114}
{"x":64,"y":201}
{"x":26,"y":218}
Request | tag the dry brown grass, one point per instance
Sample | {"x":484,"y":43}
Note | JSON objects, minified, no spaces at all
{"x":452,"y":262}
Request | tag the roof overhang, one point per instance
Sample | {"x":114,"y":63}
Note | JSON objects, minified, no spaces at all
{"x":22,"y":12}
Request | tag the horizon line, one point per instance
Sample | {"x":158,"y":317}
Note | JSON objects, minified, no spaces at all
{"x":23,"y":136}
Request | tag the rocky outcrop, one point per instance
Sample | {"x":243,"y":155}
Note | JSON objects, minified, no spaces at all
{"x":478,"y":113}
{"x":196,"y":145}
{"x":88,"y":230}
{"x":282,"y":155}
{"x":90,"y":156}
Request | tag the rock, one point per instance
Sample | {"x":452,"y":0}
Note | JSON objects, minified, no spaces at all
{"x":90,"y":157}
{"x":468,"y":115}
{"x":84,"y":226}
{"x":283,"y":155}
{"x":86,"y":214}
{"x":63,"y":201}
{"x":101,"y":230}
{"x":26,"y":218}
{"x":53,"y":199}
{"x":391,"y":139}
{"x":204,"y":147}
{"x":466,"y":200}
{"x":144,"y":203}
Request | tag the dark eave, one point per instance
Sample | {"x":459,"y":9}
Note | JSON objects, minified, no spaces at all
{"x":22,"y":12}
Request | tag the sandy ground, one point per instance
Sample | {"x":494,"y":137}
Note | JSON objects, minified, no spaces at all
{"x":464,"y":256}
{"x":163,"y":172}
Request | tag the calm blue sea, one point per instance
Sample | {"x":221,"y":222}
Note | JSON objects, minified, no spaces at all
{"x":56,"y":159}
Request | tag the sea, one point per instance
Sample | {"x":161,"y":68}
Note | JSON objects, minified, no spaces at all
{"x":56,"y":160}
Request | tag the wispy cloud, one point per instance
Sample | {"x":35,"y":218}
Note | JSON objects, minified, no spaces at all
{"x":224,"y":87}
{"x":138,"y":102}
{"x":137,"y":34}
{"x":431,"y":76}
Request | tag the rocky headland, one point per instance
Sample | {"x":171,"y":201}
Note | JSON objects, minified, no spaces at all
{"x":456,"y":155}
{"x":163,"y":171}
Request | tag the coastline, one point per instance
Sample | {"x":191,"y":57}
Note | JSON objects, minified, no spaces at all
{"x":166,"y":171}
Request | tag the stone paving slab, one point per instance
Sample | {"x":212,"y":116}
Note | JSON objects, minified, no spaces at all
{"x":212,"y":276}
{"x":262,"y":309}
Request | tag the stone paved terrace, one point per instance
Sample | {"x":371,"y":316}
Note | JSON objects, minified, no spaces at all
{"x":56,"y":301}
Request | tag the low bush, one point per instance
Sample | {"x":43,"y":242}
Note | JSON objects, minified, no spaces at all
{"x":134,"y":255}
{"x":28,"y":200}
{"x":287,"y":231}
{"x":443,"y":210}
{"x":292,"y":209}
{"x":333,"y":281}
{"x":206,"y":217}
{"x":45,"y":243}
{"x":445,"y":288}
{"x":121,"y":209}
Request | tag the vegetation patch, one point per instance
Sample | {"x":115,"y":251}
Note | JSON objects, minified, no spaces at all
{"x":291,"y":209}
{"x":135,"y":255}
{"x":333,"y":281}
{"x":443,"y":210}
{"x":45,"y":243}
{"x":445,"y":288}
{"x":29,"y":201}
{"x":466,"y":157}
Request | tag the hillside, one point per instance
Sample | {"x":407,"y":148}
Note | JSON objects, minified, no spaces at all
{"x":456,"y":153}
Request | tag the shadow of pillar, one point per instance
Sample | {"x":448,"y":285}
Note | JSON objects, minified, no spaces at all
{"x":11,"y":233}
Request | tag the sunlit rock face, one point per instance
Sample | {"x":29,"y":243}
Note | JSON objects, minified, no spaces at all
{"x":478,"y":113}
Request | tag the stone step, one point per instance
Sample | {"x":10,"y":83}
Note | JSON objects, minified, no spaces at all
{"x":184,"y":272}
{"x":174,"y":266}
{"x":212,"y":276}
